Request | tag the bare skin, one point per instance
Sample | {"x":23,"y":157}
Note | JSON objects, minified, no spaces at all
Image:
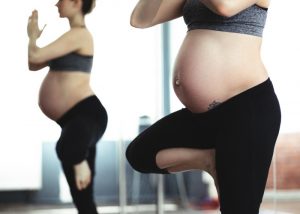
{"x":60,"y":91}
{"x":184,"y":159}
{"x":210,"y":68}
{"x":82,"y":175}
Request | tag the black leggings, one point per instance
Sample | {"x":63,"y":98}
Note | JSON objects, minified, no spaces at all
{"x":242,"y":130}
{"x":82,"y":127}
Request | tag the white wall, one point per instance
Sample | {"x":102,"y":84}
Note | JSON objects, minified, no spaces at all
{"x":281,"y":54}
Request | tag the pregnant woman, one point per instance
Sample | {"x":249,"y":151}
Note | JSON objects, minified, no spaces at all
{"x":231,"y":118}
{"x":67,"y":98}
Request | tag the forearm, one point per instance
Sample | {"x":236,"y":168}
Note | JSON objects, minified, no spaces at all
{"x":144,"y":12}
{"x":32,"y":50}
{"x":36,"y":67}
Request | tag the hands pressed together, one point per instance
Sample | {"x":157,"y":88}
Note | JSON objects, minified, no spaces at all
{"x":33,"y":30}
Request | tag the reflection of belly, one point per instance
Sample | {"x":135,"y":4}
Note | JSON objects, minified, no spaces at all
{"x":206,"y":71}
{"x":56,"y":97}
{"x":51,"y":100}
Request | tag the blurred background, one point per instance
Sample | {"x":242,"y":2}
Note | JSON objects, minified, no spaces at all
{"x":131,"y":76}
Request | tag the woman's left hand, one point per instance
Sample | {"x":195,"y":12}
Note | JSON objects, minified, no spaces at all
{"x":33,"y":30}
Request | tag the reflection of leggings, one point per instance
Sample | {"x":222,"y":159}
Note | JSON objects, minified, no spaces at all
{"x":82,"y":127}
{"x":243,"y":131}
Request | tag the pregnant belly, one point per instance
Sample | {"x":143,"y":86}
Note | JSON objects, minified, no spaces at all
{"x":56,"y":97}
{"x":201,"y":91}
{"x":207,"y":72}
{"x":52,"y":102}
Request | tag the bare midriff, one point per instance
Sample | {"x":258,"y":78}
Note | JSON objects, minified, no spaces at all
{"x":60,"y":91}
{"x":213,"y":66}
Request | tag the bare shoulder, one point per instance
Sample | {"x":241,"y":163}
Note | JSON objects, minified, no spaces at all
{"x":84,"y":38}
{"x":79,"y":33}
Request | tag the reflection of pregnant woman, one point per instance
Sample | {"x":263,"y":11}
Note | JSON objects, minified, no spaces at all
{"x":232,"y":115}
{"x":67,"y":98}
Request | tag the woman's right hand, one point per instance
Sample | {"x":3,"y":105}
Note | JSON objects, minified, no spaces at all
{"x":33,"y":30}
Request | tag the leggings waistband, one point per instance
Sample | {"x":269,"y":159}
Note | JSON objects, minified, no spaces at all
{"x":265,"y":87}
{"x":89,"y":106}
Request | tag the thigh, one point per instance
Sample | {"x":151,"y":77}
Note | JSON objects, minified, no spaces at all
{"x":77,"y":137}
{"x":181,"y":129}
{"x":79,"y":133}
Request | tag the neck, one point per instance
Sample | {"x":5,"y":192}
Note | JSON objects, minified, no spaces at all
{"x":77,"y":21}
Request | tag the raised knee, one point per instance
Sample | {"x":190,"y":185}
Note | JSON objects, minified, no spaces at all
{"x":59,"y":151}
{"x":142,"y":161}
{"x":62,"y":153}
{"x":133,"y":159}
{"x":69,"y":156}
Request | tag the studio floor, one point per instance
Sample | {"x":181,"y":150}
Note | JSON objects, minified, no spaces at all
{"x":266,"y":208}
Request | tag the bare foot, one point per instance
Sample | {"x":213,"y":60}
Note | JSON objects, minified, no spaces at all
{"x":82,"y":175}
{"x":186,"y":159}
{"x":211,"y":169}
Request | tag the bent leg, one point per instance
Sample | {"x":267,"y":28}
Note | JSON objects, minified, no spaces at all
{"x":180,"y":129}
{"x":186,"y":159}
{"x":83,"y":199}
{"x":76,"y":143}
{"x":82,"y":128}
{"x":183,"y":159}
{"x":83,"y":175}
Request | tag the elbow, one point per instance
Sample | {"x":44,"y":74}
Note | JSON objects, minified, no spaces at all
{"x":32,"y":68}
{"x":138,"y":23}
{"x":133,"y":23}
{"x":35,"y":56}
{"x":226,"y":9}
{"x":34,"y":59}
{"x":36,"y":67}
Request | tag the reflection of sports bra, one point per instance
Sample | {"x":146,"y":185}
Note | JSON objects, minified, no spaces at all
{"x":72,"y":62}
{"x":249,"y":21}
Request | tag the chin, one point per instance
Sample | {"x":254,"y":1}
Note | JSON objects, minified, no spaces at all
{"x":60,"y":15}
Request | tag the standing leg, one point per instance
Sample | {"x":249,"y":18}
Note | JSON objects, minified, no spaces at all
{"x":77,"y":145}
{"x":244,"y":152}
{"x":82,"y":127}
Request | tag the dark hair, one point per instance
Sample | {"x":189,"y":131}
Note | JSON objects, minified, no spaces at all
{"x":87,"y":6}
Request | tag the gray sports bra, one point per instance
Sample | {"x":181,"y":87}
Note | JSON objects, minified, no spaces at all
{"x":249,"y":21}
{"x":72,"y":62}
